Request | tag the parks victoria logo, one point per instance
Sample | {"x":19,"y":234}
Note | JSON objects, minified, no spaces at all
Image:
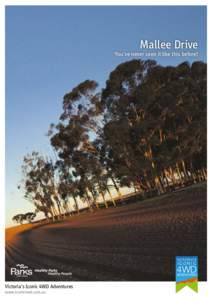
{"x":21,"y":271}
{"x":187,"y":272}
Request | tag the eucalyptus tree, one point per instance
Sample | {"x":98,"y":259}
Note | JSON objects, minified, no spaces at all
{"x":125,"y":129}
{"x":149,"y":122}
{"x":181,"y":109}
{"x":29,"y":217}
{"x":73,"y":138}
{"x":68,"y":186}
{"x":19,"y":218}
{"x":107,"y":162}
{"x":38,"y":184}
{"x":146,"y":129}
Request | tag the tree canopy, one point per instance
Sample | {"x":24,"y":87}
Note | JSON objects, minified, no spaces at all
{"x":145,"y":129}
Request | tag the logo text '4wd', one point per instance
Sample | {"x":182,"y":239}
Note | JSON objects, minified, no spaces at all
{"x":187,"y":272}
{"x":21,"y":271}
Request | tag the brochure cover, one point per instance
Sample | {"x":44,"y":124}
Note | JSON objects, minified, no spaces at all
{"x":106,"y":164}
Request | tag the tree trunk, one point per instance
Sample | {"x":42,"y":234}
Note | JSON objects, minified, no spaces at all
{"x":76,"y":204}
{"x":172,"y":176}
{"x":116,"y":187}
{"x":184,"y":170}
{"x":161,"y":184}
{"x":179,"y":174}
{"x":166,"y":179}
{"x":88,"y":201}
{"x":158,"y":185}
{"x":135,"y":187}
{"x":59,"y":209}
{"x":205,"y":173}
{"x":52,"y":213}
{"x":103,"y":197}
{"x":114,"y":203}
{"x":94,"y":199}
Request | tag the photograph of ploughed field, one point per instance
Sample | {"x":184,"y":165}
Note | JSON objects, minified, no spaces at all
{"x":109,"y":181}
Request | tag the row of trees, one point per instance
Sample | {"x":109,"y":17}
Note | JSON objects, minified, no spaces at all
{"x":145,"y":130}
{"x":20,"y":218}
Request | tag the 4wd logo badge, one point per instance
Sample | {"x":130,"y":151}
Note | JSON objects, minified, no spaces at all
{"x":187,"y":272}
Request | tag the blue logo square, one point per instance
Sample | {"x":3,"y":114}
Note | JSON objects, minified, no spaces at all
{"x":186,"y":267}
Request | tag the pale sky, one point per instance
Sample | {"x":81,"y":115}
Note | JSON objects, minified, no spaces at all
{"x":49,"y":50}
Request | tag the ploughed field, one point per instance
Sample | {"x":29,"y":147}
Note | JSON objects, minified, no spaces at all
{"x":133,"y":242}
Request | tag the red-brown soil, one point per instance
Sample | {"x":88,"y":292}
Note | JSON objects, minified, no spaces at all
{"x":134,"y":242}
